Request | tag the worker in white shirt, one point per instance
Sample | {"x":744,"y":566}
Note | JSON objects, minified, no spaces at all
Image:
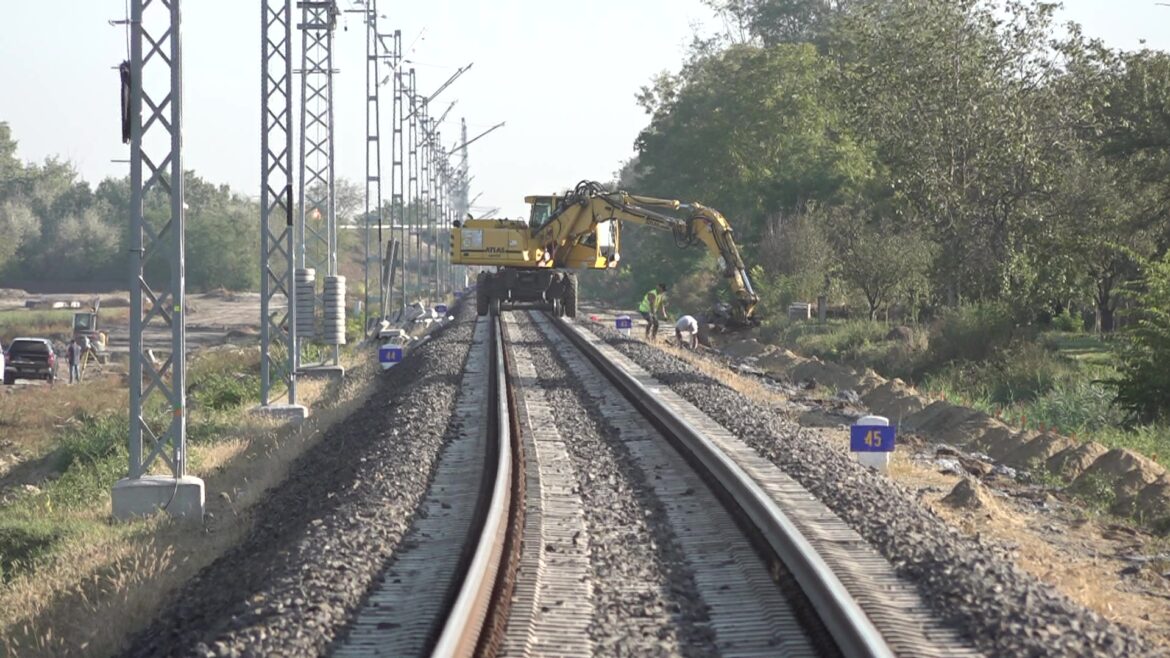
{"x":689,"y":325}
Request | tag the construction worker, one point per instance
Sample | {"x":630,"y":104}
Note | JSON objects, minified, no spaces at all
{"x":690,"y":326}
{"x":73,"y":358}
{"x":653,"y":304}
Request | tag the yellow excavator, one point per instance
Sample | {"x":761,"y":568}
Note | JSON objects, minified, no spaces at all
{"x":536,"y":260}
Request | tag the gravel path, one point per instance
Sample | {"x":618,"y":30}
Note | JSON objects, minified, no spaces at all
{"x":972,"y":583}
{"x":645,"y":601}
{"x":320,"y":538}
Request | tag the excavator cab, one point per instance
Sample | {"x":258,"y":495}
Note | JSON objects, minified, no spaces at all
{"x":540,"y":209}
{"x":84,"y":321}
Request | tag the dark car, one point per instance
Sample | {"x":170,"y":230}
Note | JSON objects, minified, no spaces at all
{"x":30,"y":358}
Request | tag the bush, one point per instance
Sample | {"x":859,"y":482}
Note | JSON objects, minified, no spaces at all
{"x":1079,"y":407}
{"x":972,"y":333}
{"x":221,"y":391}
{"x":1021,"y":374}
{"x":1066,"y":322}
{"x":846,"y":340}
{"x":97,"y":438}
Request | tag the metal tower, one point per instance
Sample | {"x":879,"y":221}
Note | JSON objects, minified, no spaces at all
{"x":427,"y":217}
{"x":158,"y":424}
{"x":462,"y":205}
{"x":373,"y":156}
{"x":317,"y":233}
{"x":412,"y":196}
{"x":277,"y":331}
{"x":397,"y":166}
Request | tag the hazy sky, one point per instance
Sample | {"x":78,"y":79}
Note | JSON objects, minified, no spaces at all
{"x":562,"y":74}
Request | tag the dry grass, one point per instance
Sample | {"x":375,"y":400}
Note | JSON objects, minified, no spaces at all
{"x":30,"y":416}
{"x":107,"y":583}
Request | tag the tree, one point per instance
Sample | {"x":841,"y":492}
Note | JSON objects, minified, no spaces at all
{"x":1143,"y":387}
{"x":878,"y":261}
{"x":774,"y":22}
{"x":750,"y":131}
{"x":954,"y":95}
{"x":17,"y":225}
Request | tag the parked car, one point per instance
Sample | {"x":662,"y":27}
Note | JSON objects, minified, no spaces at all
{"x":30,"y":358}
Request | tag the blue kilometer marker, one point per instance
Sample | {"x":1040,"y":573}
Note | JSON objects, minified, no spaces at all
{"x":872,"y":438}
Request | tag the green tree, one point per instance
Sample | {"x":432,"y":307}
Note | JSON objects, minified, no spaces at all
{"x":17,"y":225}
{"x":778,"y":21}
{"x":954,"y":97}
{"x":877,"y":260}
{"x":1143,"y":387}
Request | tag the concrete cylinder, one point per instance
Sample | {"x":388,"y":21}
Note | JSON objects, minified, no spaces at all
{"x":305,"y":283}
{"x":333,"y":303}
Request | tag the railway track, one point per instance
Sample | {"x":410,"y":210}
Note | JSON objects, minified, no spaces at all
{"x":512,"y":555}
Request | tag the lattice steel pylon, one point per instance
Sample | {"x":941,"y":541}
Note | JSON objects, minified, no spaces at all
{"x":158,"y":424}
{"x":397,"y":160}
{"x":317,"y":225}
{"x":412,"y":197}
{"x":426,"y":158}
{"x":373,"y":155}
{"x":277,"y":330}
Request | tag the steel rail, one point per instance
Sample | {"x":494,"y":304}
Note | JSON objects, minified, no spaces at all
{"x":851,"y":629}
{"x":464,"y":624}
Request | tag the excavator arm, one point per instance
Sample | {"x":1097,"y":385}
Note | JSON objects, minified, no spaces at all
{"x":578,"y":214}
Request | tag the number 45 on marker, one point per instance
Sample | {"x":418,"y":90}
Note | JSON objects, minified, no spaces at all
{"x":871,"y":438}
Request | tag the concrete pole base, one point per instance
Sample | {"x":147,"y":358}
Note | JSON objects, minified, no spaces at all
{"x":322,"y":372}
{"x":145,"y":496}
{"x":288,"y":413}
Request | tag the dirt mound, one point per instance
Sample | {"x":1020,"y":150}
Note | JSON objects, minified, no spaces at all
{"x":1036,"y":451}
{"x":1123,"y":470}
{"x":12,"y":293}
{"x":869,"y":380}
{"x":1070,"y":463}
{"x":751,"y":347}
{"x":894,"y":400}
{"x":1152,"y":505}
{"x":969,"y":494}
{"x":778,"y":363}
{"x":998,"y":440}
{"x":941,"y":418}
{"x":829,"y":374}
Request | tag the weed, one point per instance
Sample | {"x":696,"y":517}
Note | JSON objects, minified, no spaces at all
{"x":972,"y":333}
{"x":225,"y":390}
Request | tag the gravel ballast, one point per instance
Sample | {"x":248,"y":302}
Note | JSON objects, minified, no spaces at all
{"x":645,"y":600}
{"x":324,"y":534}
{"x":972,"y":583}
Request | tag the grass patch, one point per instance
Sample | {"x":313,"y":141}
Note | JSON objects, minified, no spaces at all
{"x":23,"y":543}
{"x":22,"y":322}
